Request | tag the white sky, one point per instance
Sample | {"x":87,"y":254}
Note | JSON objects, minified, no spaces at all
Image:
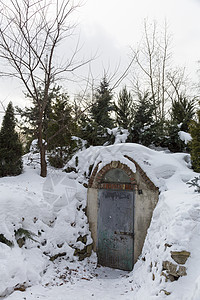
{"x":111,"y":26}
{"x":119,"y":24}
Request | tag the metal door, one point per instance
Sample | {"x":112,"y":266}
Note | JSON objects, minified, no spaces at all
{"x":115,"y":228}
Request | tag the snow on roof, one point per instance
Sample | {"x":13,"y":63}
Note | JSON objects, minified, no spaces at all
{"x":160,"y":167}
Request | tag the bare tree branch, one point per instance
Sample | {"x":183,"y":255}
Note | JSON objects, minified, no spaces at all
{"x":153,"y":63}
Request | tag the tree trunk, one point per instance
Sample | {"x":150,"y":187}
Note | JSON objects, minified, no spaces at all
{"x":42,"y":148}
{"x":43,"y":163}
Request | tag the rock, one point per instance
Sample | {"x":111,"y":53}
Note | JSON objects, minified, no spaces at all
{"x":85,"y":252}
{"x":182,"y":271}
{"x":21,"y":242}
{"x":82,"y":239}
{"x":52,"y":258}
{"x":170,"y":267}
{"x":166,"y":292}
{"x":173,"y":271}
{"x":20,"y":287}
{"x":89,"y":249}
{"x":172,"y":278}
{"x":180,"y":257}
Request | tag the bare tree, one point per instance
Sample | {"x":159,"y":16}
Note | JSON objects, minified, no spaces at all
{"x":178,"y":83}
{"x":31,"y":32}
{"x":153,"y":68}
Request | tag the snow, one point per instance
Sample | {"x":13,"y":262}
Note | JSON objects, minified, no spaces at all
{"x":185,"y":136}
{"x":120,"y":134}
{"x":55,"y":224}
{"x":52,"y":209}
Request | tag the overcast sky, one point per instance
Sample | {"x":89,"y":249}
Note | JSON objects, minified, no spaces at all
{"x":114,"y":25}
{"x":110,"y":27}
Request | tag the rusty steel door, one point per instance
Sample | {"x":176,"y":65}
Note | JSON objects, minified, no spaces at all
{"x":115,"y":228}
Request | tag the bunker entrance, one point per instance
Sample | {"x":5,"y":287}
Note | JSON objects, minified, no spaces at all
{"x":120,"y":204}
{"x":115,"y":228}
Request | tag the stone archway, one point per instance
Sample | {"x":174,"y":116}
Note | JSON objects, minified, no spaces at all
{"x":117,"y":181}
{"x":96,"y":177}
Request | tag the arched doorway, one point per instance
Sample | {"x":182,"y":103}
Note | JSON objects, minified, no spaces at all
{"x":120,"y":203}
{"x":115,"y":228}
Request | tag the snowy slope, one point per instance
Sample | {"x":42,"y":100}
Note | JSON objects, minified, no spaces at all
{"x":48,"y":209}
{"x":52,"y":211}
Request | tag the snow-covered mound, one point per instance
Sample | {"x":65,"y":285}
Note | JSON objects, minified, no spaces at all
{"x":175,"y":224}
{"x":48,"y":215}
{"x":162,"y":168}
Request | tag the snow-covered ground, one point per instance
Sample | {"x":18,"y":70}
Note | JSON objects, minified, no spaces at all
{"x":51,"y":211}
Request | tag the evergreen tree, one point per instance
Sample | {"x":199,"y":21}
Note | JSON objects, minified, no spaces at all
{"x":93,"y":134}
{"x":96,"y":124}
{"x":195,"y":143}
{"x":100,"y":111}
{"x":143,"y":120}
{"x":58,"y":125}
{"x":171,"y":138}
{"x":124,"y":109}
{"x":61,"y":127}
{"x":88,"y":130}
{"x":30,"y":115}
{"x":10,"y":146}
{"x":182,"y":112}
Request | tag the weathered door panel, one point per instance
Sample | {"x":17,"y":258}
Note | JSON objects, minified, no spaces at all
{"x":115,"y":229}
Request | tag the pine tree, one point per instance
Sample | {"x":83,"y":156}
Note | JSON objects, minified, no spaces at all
{"x":95,"y":126}
{"x":58,"y":125}
{"x":182,"y":112}
{"x":87,"y":130}
{"x":195,"y":143}
{"x":171,"y":138}
{"x":30,"y":115}
{"x":124,"y":109}
{"x":143,"y":120}
{"x":61,"y":127}
{"x":103,"y":106}
{"x":10,"y":146}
